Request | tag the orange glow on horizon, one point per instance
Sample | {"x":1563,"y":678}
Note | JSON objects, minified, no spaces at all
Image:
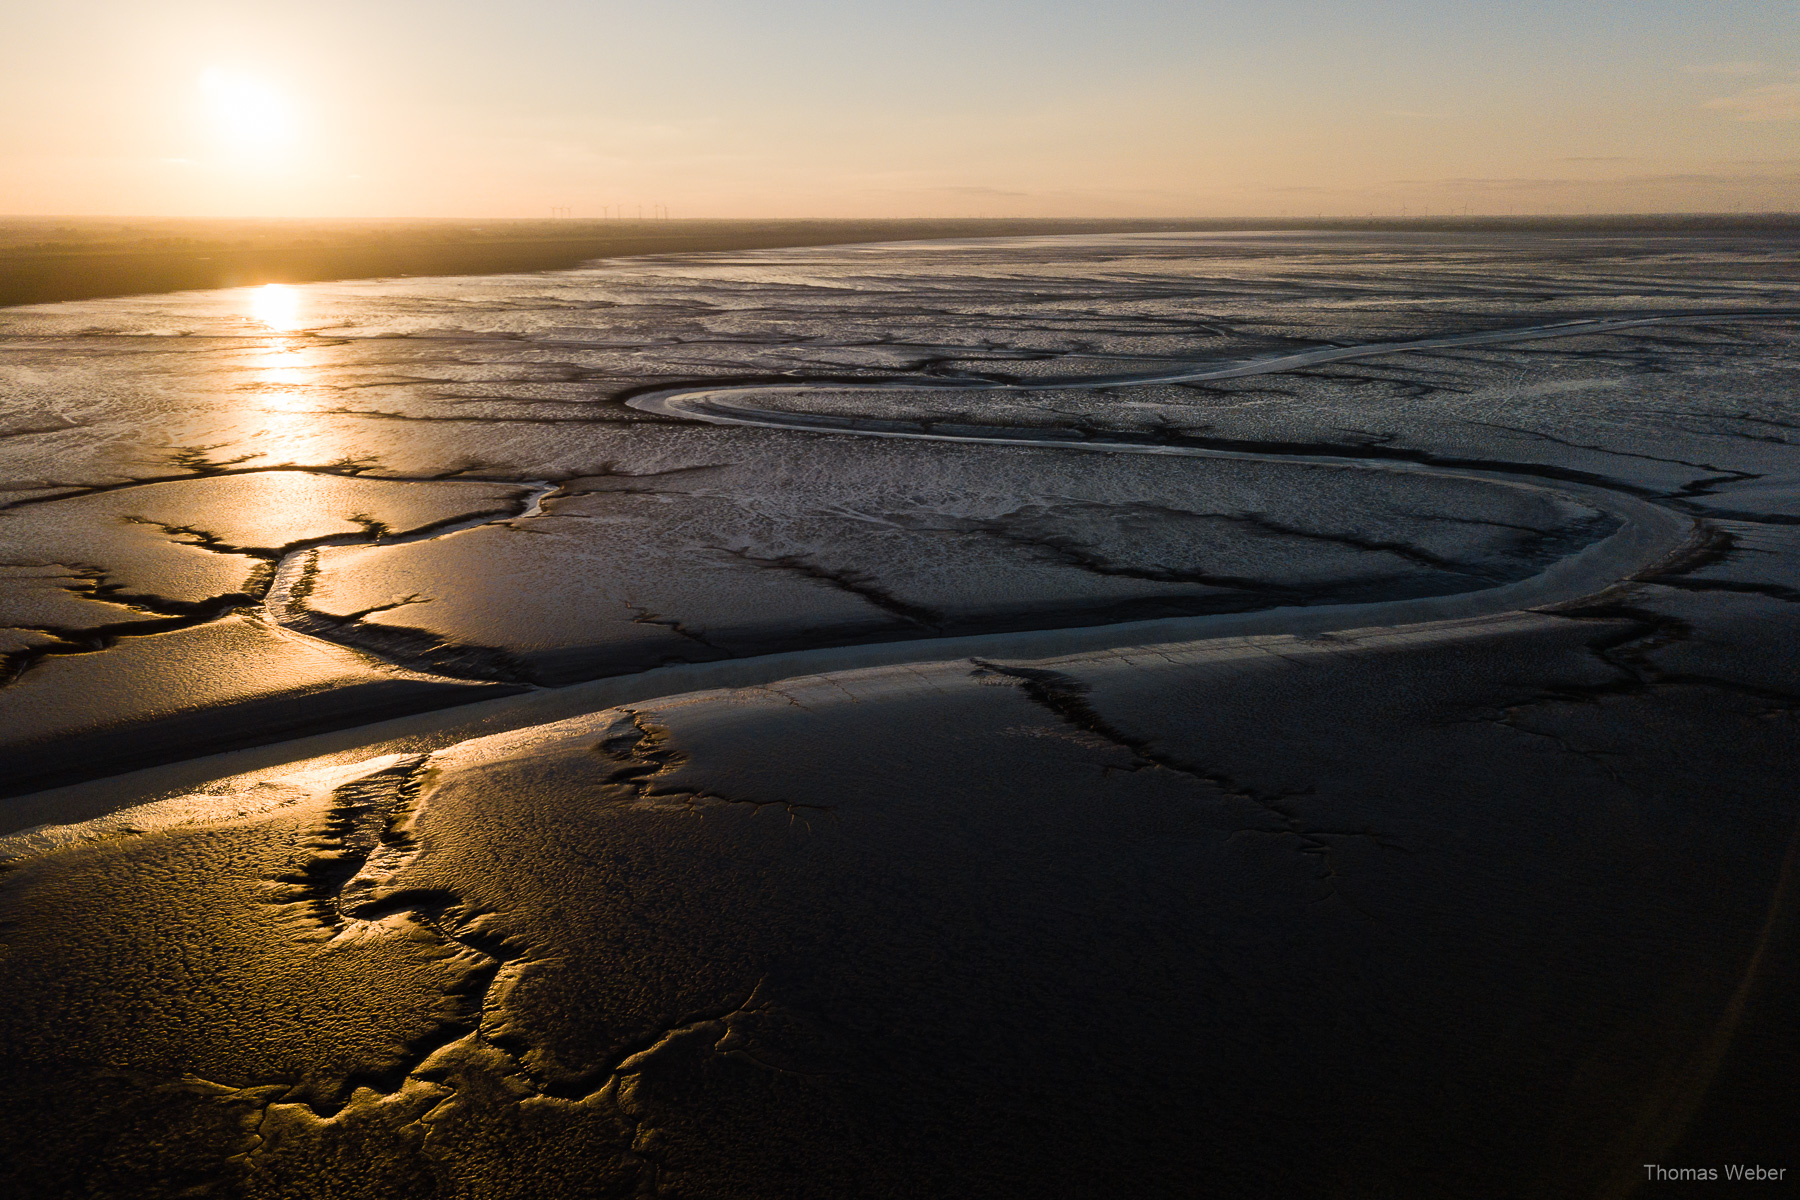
{"x":202,"y":108}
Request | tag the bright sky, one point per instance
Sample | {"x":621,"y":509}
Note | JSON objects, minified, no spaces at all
{"x":403,"y":108}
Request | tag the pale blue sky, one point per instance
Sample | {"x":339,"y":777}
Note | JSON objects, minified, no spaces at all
{"x":987,"y":108}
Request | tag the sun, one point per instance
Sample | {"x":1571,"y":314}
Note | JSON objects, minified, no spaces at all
{"x":249,"y":115}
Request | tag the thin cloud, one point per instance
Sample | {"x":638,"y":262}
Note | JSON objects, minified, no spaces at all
{"x":1597,"y":158}
{"x":970,"y":190}
{"x":1790,"y":162}
{"x":1527,"y":183}
{"x":1777,"y":102}
{"x":1726,"y":68}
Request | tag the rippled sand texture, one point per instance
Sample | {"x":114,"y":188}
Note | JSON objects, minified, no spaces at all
{"x":1308,"y":762}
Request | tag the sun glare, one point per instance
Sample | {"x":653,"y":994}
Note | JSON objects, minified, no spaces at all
{"x":276,"y":305}
{"x":249,"y":115}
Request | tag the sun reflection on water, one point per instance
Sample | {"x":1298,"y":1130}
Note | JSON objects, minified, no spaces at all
{"x":280,"y":419}
{"x":277,"y":306}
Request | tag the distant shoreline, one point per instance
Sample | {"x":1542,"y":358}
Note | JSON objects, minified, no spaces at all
{"x":49,"y":259}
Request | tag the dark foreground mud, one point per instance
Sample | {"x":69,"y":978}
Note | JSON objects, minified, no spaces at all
{"x":1495,"y":908}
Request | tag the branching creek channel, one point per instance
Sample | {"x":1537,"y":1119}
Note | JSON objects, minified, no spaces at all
{"x":1653,"y":525}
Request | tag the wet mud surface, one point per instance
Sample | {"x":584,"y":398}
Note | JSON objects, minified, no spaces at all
{"x":1494,"y":898}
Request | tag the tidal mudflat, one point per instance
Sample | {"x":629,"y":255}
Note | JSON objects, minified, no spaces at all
{"x":1294,"y":713}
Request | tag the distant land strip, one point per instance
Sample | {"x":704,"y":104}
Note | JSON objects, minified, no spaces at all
{"x":47,"y":259}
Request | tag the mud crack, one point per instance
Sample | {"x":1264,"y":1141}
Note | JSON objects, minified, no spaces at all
{"x":645,"y":616}
{"x":1066,"y":698}
{"x":364,"y":820}
{"x":642,"y":751}
{"x":857,"y":583}
{"x":415,"y":649}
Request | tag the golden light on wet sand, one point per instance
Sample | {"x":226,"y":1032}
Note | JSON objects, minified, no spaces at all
{"x":283,"y":378}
